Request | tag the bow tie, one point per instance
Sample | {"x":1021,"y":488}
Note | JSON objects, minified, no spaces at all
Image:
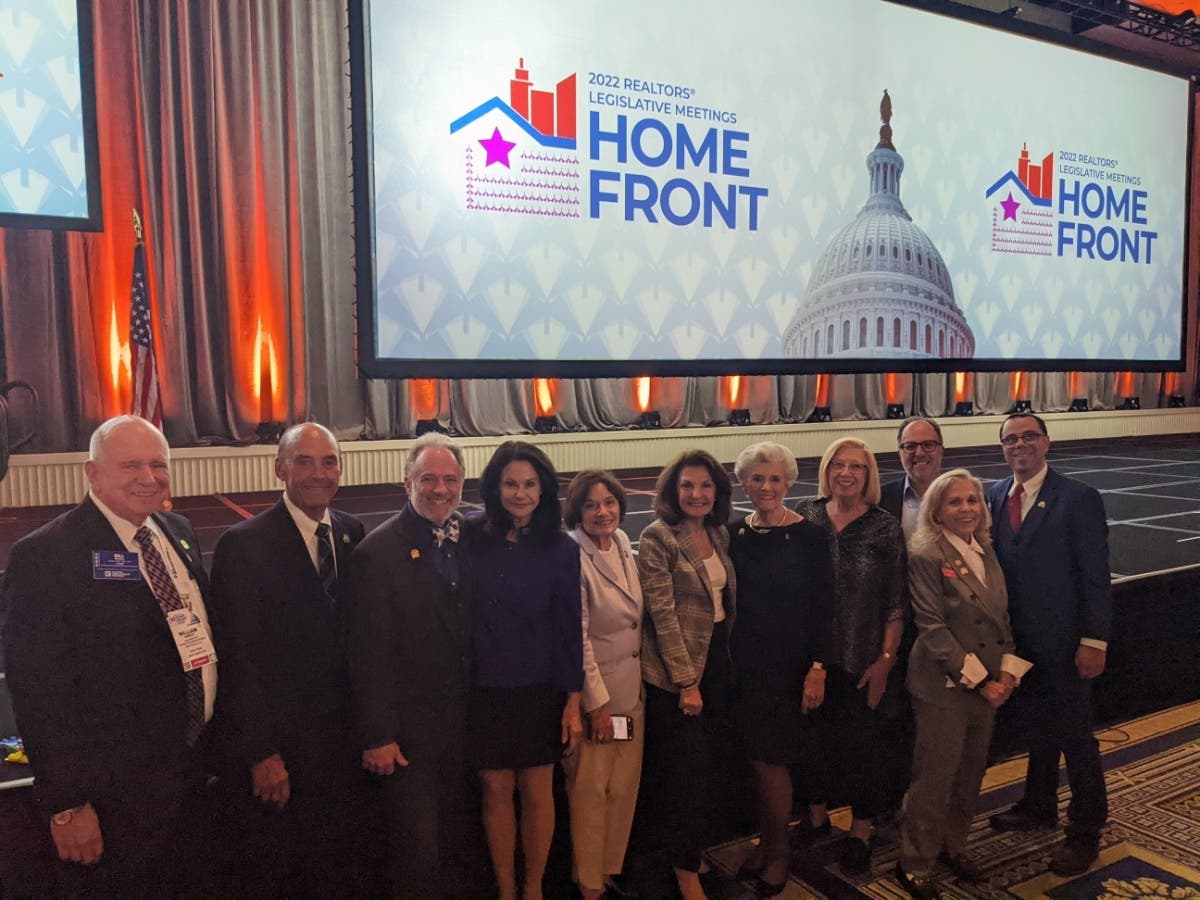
{"x":449,"y":531}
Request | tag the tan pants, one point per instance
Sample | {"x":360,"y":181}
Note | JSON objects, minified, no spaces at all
{"x":602,"y":787}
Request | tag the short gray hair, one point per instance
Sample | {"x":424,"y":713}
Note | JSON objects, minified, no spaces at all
{"x":766,"y":452}
{"x":106,"y":428}
{"x":425,"y":442}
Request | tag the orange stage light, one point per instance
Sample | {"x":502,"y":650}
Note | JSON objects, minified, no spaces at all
{"x":424,"y":393}
{"x":1017,"y":386}
{"x":734,"y":385}
{"x":962,"y":387}
{"x":265,"y":370}
{"x":641,"y":393}
{"x":822,"y":390}
{"x":544,"y":390}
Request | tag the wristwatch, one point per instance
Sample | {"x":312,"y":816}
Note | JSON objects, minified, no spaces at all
{"x":66,"y":816}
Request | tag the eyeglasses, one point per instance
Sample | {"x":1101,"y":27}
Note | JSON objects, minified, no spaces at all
{"x":855,"y":468}
{"x":927,"y":446}
{"x":1025,"y":437}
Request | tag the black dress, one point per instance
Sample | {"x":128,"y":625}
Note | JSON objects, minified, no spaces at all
{"x":785,"y":622}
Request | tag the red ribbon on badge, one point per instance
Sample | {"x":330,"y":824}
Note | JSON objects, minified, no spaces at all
{"x":948,"y":572}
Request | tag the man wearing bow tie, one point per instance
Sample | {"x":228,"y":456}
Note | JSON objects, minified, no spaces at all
{"x":283,"y":717}
{"x":408,"y":640}
{"x":113,"y":675}
{"x":1051,"y":535}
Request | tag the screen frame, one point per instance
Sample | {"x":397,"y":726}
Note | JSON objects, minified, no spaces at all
{"x":94,"y":220}
{"x":371,"y":365}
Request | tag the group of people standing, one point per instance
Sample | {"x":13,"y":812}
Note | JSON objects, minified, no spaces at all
{"x":361,"y":672}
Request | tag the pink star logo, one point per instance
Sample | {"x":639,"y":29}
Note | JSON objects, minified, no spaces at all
{"x":1010,"y":206}
{"x":497,"y":149}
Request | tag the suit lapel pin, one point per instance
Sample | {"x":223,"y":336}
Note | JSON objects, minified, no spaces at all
{"x":1041,"y":504}
{"x":963,"y":571}
{"x":345,"y":538}
{"x":414,"y":553}
{"x":185,"y":545}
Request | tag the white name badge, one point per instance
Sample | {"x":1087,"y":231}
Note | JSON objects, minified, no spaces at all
{"x":191,"y":639}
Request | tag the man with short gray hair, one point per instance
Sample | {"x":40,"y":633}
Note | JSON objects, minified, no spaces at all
{"x":113,"y":674}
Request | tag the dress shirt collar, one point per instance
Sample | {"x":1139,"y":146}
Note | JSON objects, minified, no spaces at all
{"x":308,"y":528}
{"x":1032,"y":485}
{"x":971,"y":553}
{"x":125,"y":529}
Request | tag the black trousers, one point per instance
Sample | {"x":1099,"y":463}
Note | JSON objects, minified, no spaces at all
{"x":1055,"y":711}
{"x":682,"y":781}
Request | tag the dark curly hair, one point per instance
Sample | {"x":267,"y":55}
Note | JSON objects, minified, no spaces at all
{"x":547,"y":517}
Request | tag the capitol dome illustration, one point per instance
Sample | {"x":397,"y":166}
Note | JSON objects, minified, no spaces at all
{"x":880,"y":288}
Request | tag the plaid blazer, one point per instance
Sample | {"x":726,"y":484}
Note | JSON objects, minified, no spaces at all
{"x":679,"y":607}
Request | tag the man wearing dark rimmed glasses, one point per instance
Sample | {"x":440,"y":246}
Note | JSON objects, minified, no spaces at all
{"x":919,"y":441}
{"x":1051,"y":535}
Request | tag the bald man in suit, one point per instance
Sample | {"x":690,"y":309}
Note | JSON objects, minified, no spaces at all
{"x":283,"y":717}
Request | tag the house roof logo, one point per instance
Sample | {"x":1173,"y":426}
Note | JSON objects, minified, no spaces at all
{"x":521,"y":155}
{"x":1023,"y":207}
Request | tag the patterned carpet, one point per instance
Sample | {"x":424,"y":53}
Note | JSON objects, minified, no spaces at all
{"x":1151,"y":847}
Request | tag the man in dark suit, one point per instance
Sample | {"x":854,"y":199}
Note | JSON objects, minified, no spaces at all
{"x":113,"y":675}
{"x":1051,"y":536}
{"x":408,"y":639}
{"x":283,"y":717}
{"x":919,"y":442}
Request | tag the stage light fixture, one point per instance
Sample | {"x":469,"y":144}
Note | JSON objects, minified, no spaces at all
{"x":1131,"y":403}
{"x":1176,"y":401}
{"x":269,"y":432}
{"x":739,"y":416}
{"x":424,"y":426}
{"x":820,"y":414}
{"x":895,"y":410}
{"x":1078,"y":404}
{"x":547,"y":425}
{"x":964,"y":408}
{"x":1021,"y":406}
{"x":650,"y":420}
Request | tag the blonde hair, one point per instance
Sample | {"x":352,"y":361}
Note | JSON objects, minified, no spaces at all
{"x":929,"y":530}
{"x":871,"y":489}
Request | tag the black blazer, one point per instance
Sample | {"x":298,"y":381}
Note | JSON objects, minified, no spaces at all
{"x":283,"y":665}
{"x":96,"y":682}
{"x":891,"y":498}
{"x":1056,"y":569}
{"x":408,"y":641}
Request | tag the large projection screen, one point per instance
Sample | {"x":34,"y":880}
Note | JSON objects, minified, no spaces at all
{"x":49,"y":161}
{"x":635,"y":188}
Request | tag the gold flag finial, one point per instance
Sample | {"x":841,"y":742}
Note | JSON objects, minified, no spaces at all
{"x":137,"y":226}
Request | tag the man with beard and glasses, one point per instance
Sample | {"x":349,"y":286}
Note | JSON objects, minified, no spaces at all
{"x":283,"y":717}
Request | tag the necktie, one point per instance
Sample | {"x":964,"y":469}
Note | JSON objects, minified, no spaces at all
{"x":169,"y":600}
{"x":325,"y":565}
{"x":1014,"y":508}
{"x":447,"y":532}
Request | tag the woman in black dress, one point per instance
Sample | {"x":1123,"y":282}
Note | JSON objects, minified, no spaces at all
{"x":870,"y":568}
{"x":783,"y":640}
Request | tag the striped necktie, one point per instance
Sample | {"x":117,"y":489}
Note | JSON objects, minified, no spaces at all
{"x":169,"y":600}
{"x":325,"y":564}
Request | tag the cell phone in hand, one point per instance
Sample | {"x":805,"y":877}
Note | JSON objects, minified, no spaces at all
{"x":622,"y":728}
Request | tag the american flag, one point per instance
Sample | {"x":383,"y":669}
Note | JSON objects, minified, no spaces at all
{"x":146,"y":402}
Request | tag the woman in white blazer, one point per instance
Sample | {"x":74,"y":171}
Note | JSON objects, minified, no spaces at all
{"x":604,"y":773}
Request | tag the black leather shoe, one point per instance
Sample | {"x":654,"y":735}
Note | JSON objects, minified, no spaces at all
{"x":807,"y":833}
{"x":963,"y":868}
{"x":1074,"y":856}
{"x":769,"y":888}
{"x":855,"y":858}
{"x":923,"y":887}
{"x":1018,"y":819}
